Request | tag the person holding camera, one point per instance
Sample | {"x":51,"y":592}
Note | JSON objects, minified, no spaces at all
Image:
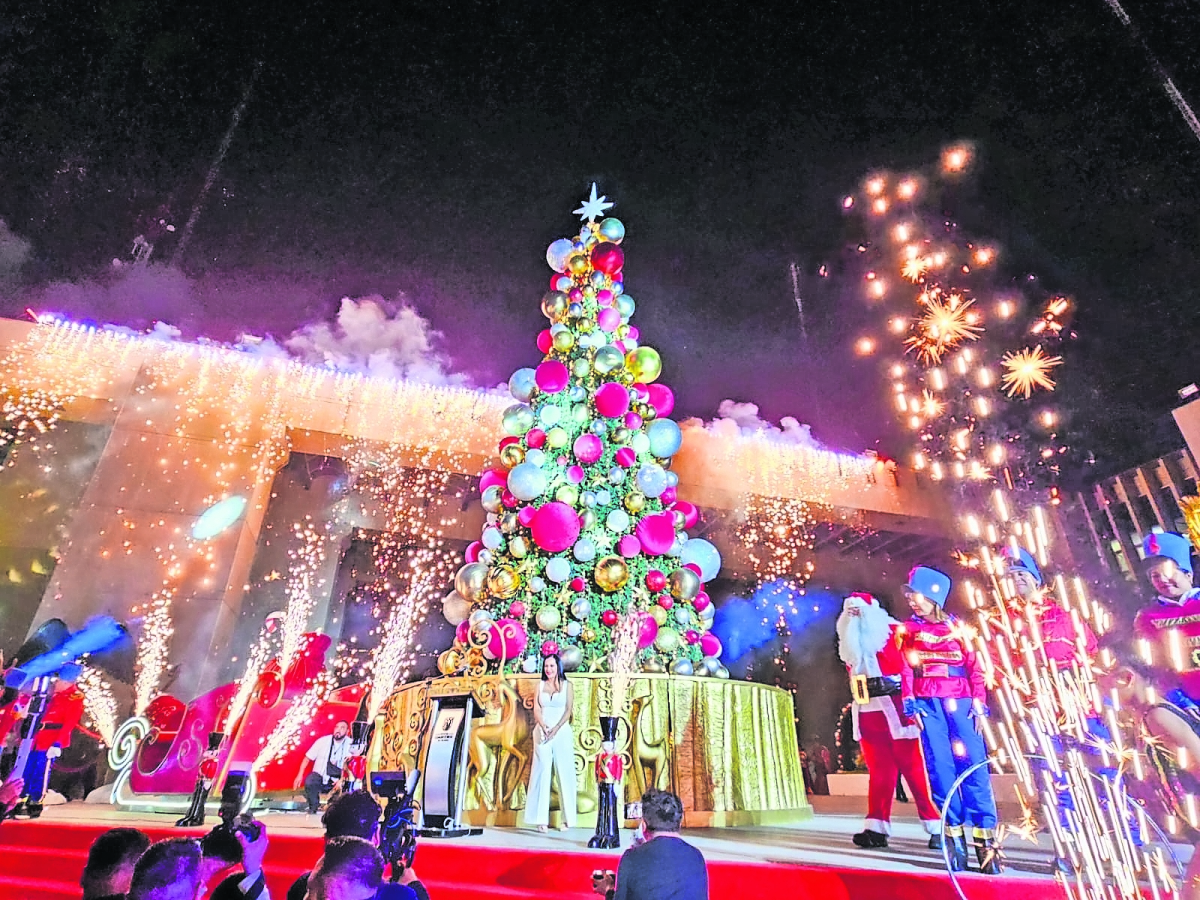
{"x":328,"y":755}
{"x":660,"y":865}
{"x":356,"y":815}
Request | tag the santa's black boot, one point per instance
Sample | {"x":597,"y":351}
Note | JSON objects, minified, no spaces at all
{"x":935,"y":841}
{"x":870,"y":840}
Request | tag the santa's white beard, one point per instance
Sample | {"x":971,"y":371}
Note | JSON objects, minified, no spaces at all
{"x":861,"y":637}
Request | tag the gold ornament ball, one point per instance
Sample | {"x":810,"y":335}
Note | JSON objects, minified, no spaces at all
{"x":568,"y":494}
{"x":512,"y":456}
{"x":447,"y":663}
{"x":611,"y":573}
{"x":649,"y":413}
{"x":518,"y":547}
{"x":557,"y":437}
{"x":509,"y":522}
{"x":634,"y":501}
{"x":578,"y":264}
{"x":471,"y":582}
{"x":503,"y":582}
{"x":588,"y":635}
{"x":680,"y":520}
{"x":667,"y":640}
{"x":564,"y":341}
{"x":622,"y":331}
{"x":684,"y":584}
{"x":586,"y":326}
{"x":653,"y":667}
{"x":644,"y":363}
{"x":618,"y":435}
{"x":587,"y":520}
{"x":659,"y":615}
{"x":554,"y":305}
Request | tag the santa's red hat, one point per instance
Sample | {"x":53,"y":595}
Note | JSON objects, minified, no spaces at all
{"x":866,"y":598}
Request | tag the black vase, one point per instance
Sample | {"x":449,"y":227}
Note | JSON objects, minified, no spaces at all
{"x":608,"y":835}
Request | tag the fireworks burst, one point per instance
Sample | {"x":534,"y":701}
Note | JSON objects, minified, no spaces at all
{"x":286,"y":734}
{"x":945,"y":323}
{"x":1027,"y":370}
{"x":777,"y":533}
{"x":307,"y":555}
{"x":99,"y":703}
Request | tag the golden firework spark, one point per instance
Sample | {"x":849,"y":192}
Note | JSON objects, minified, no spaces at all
{"x":915,"y":268}
{"x":931,"y":406}
{"x":944,"y":325}
{"x":1027,"y":370}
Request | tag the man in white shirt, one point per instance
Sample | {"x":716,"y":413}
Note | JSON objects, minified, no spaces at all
{"x":328,"y":754}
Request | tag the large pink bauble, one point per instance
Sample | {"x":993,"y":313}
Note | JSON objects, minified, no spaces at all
{"x":552,"y":376}
{"x":607,"y":258}
{"x":626,"y":457}
{"x":491,"y":477}
{"x":545,"y":340}
{"x":575,"y":474}
{"x":588,"y":448}
{"x":701,"y":602}
{"x":555,"y":527}
{"x":507,"y":640}
{"x":667,"y":497}
{"x":612,"y":400}
{"x":656,"y":532}
{"x":629,"y":546}
{"x":691,"y":515}
{"x":710,"y":644}
{"x":549,"y":648}
{"x":608,"y":319}
{"x":661,"y":398}
{"x":648,"y":633}
{"x":463,"y":631}
{"x":472,"y":554}
{"x":535,"y":438}
{"x":525,"y":515}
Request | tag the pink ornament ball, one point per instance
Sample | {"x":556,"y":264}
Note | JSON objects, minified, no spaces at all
{"x":525,"y":515}
{"x":695,"y":568}
{"x":555,"y":527}
{"x":701,"y":602}
{"x":535,"y":438}
{"x":667,"y":497}
{"x":656,"y":580}
{"x":491,"y":477}
{"x":632,"y":421}
{"x":656,"y":532}
{"x":648,"y":633}
{"x":545,"y":340}
{"x":710,"y":644}
{"x":666,"y":601}
{"x":507,"y":639}
{"x":608,"y":319}
{"x":610,"y":617}
{"x":626,"y":457}
{"x":472,"y":553}
{"x":634,"y":334}
{"x":516,"y":609}
{"x":661,"y":398}
{"x":575,"y":474}
{"x":577,"y":584}
{"x":509,"y":500}
{"x":549,"y":648}
{"x":552,"y":376}
{"x":588,"y":448}
{"x":604,"y":297}
{"x":692,"y":637}
{"x":612,"y":400}
{"x":629,"y":546}
{"x":505,"y":441}
{"x":576,"y":295}
{"x":463,"y":632}
{"x":691,"y":515}
{"x":640,"y":392}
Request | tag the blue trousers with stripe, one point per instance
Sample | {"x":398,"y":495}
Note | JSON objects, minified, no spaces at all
{"x":951,"y":747}
{"x":37,"y":775}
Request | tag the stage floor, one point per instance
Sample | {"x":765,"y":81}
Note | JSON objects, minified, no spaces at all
{"x":823,"y":840}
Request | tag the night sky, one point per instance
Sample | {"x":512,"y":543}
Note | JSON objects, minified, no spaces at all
{"x":435,"y":150}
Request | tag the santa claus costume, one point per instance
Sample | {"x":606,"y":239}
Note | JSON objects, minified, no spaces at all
{"x":881,"y":681}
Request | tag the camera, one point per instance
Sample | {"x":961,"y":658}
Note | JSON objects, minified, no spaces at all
{"x":397,"y":834}
{"x":233,"y":821}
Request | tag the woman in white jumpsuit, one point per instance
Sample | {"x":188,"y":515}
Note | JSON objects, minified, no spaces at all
{"x":553,"y":748}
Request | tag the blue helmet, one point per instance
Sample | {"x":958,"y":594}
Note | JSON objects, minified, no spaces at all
{"x":1168,"y":545}
{"x":1020,"y":558}
{"x":930,"y":583}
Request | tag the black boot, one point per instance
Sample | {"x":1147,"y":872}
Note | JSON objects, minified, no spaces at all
{"x":195,"y":814}
{"x":33,"y":810}
{"x":935,"y":841}
{"x":988,"y":855}
{"x":958,"y":853}
{"x":870,"y":840}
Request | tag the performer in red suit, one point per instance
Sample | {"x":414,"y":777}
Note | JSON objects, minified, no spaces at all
{"x":881,"y":681}
{"x":62,"y":717}
{"x":1061,"y":641}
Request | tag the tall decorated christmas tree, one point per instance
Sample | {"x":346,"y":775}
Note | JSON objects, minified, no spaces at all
{"x":585,"y":543}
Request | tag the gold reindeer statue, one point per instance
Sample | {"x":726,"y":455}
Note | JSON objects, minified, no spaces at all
{"x":507,"y":737}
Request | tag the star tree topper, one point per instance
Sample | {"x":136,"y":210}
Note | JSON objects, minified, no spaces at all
{"x":593,"y":208}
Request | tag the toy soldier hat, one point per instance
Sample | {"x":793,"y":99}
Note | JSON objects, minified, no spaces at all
{"x":1168,"y":545}
{"x":1020,"y":558}
{"x":930,"y":583}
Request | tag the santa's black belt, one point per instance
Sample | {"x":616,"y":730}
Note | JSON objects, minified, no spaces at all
{"x":865,"y":688}
{"x":937,"y":670}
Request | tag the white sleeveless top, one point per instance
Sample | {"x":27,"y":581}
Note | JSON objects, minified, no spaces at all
{"x":554,"y":707}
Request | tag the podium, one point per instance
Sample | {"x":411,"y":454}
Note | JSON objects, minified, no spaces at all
{"x":445,"y":781}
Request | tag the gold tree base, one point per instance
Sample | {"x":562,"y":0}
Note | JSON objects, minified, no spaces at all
{"x":727,"y":748}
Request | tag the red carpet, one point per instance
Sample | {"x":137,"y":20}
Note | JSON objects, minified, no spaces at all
{"x":43,"y":861}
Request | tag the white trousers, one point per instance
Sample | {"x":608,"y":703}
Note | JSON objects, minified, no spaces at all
{"x":553,"y":757}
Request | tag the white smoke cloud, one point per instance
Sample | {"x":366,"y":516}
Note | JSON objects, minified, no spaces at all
{"x":740,"y":418}
{"x":370,"y":339}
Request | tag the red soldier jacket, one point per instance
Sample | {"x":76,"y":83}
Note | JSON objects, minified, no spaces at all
{"x":1059,"y":637}
{"x":609,"y":768}
{"x":1173,"y":630}
{"x":943,"y":664}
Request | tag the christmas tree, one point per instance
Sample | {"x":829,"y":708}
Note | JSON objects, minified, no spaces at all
{"x":585,"y":537}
